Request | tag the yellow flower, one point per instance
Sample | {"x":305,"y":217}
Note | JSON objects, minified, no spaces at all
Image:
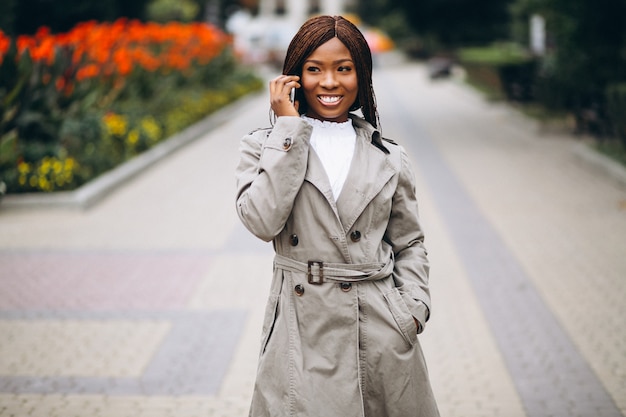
{"x":151,"y":128}
{"x":116,"y":124}
{"x":69,"y":164}
{"x":133,"y":137}
{"x":57,"y":167}
{"x":23,"y":168}
{"x":45,"y":166}
{"x":44,"y":184}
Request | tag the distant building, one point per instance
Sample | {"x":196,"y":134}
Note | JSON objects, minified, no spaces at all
{"x":264,"y":36}
{"x":297,"y":11}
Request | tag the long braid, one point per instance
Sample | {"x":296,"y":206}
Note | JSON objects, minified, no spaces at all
{"x":319,"y":30}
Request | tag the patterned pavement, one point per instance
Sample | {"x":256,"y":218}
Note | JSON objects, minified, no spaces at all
{"x":150,"y":303}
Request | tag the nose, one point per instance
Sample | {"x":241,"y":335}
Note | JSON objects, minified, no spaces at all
{"x":329,"y":80}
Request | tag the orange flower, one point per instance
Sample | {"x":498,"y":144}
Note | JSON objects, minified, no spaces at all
{"x":44,"y":51}
{"x":24,"y":43}
{"x":60,"y":83}
{"x":42,"y":33}
{"x":5,"y":44}
{"x":123,"y":61}
{"x":112,"y":50}
{"x":88,"y":71}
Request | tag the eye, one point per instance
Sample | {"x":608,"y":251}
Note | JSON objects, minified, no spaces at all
{"x":344,"y":68}
{"x":312,"y":69}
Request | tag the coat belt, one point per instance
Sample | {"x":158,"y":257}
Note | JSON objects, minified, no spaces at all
{"x":318,"y":271}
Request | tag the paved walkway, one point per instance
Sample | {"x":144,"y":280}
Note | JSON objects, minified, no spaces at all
{"x":150,"y":303}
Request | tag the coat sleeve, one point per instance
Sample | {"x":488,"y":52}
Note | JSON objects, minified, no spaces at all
{"x":405,"y":234}
{"x":269,"y":175}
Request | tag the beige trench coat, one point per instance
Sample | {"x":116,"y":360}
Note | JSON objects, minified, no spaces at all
{"x":337,"y":349}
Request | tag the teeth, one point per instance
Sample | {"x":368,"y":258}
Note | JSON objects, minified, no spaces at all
{"x":329,"y":99}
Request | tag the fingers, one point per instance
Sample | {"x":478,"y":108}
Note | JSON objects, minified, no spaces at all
{"x":280,"y":89}
{"x":284,"y":84}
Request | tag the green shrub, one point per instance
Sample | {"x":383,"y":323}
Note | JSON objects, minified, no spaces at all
{"x":503,"y":70}
{"x":494,"y":55}
{"x":96,"y":144}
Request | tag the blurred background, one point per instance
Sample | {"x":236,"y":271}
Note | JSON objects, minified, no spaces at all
{"x":151,"y":302}
{"x":78,"y":79}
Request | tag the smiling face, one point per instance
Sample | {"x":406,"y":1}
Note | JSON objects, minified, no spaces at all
{"x":329,"y":82}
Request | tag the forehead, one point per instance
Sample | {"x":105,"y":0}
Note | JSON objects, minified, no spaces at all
{"x":330,"y":51}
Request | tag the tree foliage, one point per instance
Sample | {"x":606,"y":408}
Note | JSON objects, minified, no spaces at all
{"x":587,"y":48}
{"x":451,"y":22}
{"x":26,"y":16}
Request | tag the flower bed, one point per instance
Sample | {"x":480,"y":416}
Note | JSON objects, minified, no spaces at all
{"x":76,"y":104}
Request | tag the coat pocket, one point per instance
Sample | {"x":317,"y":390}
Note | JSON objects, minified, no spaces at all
{"x":269,"y":320}
{"x":402,"y":315}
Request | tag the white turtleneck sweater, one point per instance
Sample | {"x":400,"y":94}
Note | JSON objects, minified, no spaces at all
{"x":334,"y":144}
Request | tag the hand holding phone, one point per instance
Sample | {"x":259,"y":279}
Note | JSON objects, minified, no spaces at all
{"x":283,"y":94}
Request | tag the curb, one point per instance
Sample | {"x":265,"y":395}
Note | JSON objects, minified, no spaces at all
{"x":95,"y":190}
{"x":600,"y":163}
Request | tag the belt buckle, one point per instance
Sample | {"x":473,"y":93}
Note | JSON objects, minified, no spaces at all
{"x":310,"y":276}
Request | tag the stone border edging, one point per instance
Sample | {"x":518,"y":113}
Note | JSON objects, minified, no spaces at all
{"x":95,"y":190}
{"x":600,"y":163}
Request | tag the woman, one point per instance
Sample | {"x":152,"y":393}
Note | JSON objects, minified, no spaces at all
{"x":350,"y":287}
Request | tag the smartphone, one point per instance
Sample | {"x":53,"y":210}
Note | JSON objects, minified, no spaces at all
{"x":292,"y":95}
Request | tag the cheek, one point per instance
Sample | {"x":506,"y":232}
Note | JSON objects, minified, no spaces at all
{"x":307,"y":82}
{"x":352,"y":83}
{"x":308,"y":86}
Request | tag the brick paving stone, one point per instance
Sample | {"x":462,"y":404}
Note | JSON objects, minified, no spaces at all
{"x":168,"y":353}
{"x":467,"y":372}
{"x":78,"y":348}
{"x":87,"y":280}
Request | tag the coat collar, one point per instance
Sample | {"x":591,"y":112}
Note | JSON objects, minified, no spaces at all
{"x":369,"y":131}
{"x":369,"y":171}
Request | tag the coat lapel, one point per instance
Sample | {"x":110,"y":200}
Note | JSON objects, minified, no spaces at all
{"x":369,"y":171}
{"x":316,"y":175}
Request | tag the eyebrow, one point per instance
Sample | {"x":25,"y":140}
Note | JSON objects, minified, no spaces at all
{"x":339,"y":61}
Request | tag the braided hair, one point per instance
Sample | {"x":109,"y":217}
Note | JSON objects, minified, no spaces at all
{"x":319,"y":30}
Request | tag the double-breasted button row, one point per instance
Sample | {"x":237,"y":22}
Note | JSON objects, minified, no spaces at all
{"x":299,"y":288}
{"x":287,"y":143}
{"x":355,"y":236}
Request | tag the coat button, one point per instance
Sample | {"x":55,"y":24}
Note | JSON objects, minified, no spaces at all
{"x":293,"y":239}
{"x":299,"y":290}
{"x":355,"y":236}
{"x":345,"y":286}
{"x":287,"y":144}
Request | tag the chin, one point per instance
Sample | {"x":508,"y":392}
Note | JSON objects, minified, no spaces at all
{"x":332,"y":117}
